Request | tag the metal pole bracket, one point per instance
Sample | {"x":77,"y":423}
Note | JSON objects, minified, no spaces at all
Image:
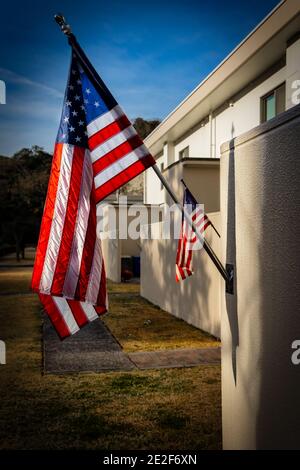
{"x":230,"y":279}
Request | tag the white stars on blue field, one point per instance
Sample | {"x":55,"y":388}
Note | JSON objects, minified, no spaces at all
{"x":83,"y":103}
{"x":97,"y":101}
{"x":72,"y":128}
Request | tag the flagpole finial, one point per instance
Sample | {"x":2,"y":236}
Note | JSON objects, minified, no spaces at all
{"x":66,"y":28}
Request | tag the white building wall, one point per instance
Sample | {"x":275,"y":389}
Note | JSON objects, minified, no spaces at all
{"x":233,"y":121}
{"x":230,"y":123}
{"x":245,"y":113}
{"x":153,"y":193}
{"x":198,"y":143}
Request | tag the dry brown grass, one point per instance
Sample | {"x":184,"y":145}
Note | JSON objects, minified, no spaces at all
{"x":140,"y":326}
{"x":15,"y":280}
{"x":125,"y":287}
{"x":155,"y":410}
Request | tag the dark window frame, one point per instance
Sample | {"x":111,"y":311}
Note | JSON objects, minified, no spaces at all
{"x":181,"y":153}
{"x":263,"y":102}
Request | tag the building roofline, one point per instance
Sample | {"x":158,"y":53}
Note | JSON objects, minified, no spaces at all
{"x":189,"y":161}
{"x":288,"y":4}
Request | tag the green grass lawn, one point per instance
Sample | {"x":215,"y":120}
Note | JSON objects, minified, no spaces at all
{"x":166,"y":409}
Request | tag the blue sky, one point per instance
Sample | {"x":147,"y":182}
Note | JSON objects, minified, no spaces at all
{"x":150,"y":54}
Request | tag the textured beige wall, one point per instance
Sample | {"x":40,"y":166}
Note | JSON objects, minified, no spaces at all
{"x":204,"y":182}
{"x":260,"y":207}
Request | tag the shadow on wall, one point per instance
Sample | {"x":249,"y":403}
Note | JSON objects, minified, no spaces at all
{"x":231,"y":300}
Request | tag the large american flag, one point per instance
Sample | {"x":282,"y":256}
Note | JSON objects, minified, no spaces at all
{"x":97,"y":150}
{"x":187,"y":241}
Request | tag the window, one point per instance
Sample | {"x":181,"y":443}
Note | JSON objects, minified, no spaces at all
{"x":184,"y":153}
{"x":273,"y":103}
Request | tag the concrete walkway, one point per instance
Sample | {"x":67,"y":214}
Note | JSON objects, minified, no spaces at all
{"x":170,"y":358}
{"x":94,"y":349}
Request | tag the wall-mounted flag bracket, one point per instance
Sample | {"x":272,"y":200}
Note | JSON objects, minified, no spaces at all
{"x":230,"y":279}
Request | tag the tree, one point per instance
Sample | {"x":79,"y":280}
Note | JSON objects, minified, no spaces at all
{"x":143,"y":127}
{"x":23,"y":187}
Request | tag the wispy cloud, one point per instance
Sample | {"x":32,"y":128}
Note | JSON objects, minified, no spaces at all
{"x":12,"y":77}
{"x":43,"y":111}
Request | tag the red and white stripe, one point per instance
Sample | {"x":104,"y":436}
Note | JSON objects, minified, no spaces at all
{"x":69,"y":272}
{"x":118,"y":153}
{"x":68,"y":316}
{"x":186,"y":243}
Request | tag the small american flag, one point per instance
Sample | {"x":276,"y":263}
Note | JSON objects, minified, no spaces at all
{"x":187,"y":241}
{"x":97,"y":151}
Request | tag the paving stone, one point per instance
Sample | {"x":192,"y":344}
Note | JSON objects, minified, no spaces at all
{"x":175,"y":358}
{"x":88,"y":361}
{"x":91,"y":349}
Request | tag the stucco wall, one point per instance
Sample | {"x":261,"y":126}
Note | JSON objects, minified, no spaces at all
{"x":260,"y":207}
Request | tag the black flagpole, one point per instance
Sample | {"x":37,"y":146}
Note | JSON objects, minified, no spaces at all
{"x":183,"y":182}
{"x":93,"y":75}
